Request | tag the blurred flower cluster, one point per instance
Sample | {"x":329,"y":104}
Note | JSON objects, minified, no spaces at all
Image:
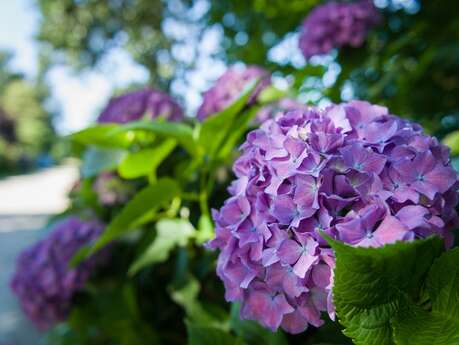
{"x":353,"y":171}
{"x":229,"y":86}
{"x":43,"y":280}
{"x":135,"y":105}
{"x":334,"y":25}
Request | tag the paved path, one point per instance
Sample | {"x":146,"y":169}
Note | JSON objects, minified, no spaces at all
{"x":26,"y":202}
{"x":43,"y":192}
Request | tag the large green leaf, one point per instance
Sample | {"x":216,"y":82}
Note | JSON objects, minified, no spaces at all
{"x":415,"y":326}
{"x":252,"y":332}
{"x":443,"y":284}
{"x":170,"y":234}
{"x":145,"y":161}
{"x":179,"y":131}
{"x":96,"y":160}
{"x":372,"y":284}
{"x":138,"y":210}
{"x":102,"y":136}
{"x":216,"y":127}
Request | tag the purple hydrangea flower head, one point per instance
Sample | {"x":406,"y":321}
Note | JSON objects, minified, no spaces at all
{"x":228,"y":87}
{"x":137,"y":104}
{"x":272,"y":110}
{"x":111,"y":189}
{"x":334,"y":25}
{"x":353,"y":171}
{"x":43,"y":281}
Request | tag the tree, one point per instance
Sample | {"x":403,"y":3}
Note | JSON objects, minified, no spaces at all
{"x":26,"y":129}
{"x":409,"y":63}
{"x":84,"y":31}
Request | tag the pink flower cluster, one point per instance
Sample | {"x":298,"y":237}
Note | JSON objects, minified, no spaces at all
{"x":228,"y":87}
{"x":334,"y":25}
{"x":135,"y":105}
{"x":43,"y":281}
{"x":354,"y":171}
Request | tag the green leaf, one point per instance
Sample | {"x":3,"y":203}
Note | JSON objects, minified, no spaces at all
{"x":205,"y":229}
{"x":143,"y":206}
{"x":199,"y":334}
{"x":187,"y":298}
{"x":239,"y":128}
{"x":443,"y":284}
{"x":170,"y":234}
{"x":216,"y":127}
{"x":178,"y":131}
{"x":452,"y":140}
{"x":101,"y":135}
{"x":252,"y":332}
{"x":441,"y":325}
{"x":97,"y":160}
{"x":271,"y":94}
{"x":372,"y":284}
{"x":108,"y":317}
{"x":145,"y":161}
{"x":415,"y":326}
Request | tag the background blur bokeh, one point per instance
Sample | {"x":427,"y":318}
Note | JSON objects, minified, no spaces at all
{"x":64,"y":59}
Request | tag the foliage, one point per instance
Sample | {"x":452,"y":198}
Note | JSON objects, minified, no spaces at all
{"x":381,"y":294}
{"x":161,"y":286}
{"x":167,"y":249}
{"x":27,"y":131}
{"x":97,"y":26}
{"x":416,"y":44}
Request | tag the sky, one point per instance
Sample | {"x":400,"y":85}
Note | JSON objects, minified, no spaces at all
{"x":80,"y":96}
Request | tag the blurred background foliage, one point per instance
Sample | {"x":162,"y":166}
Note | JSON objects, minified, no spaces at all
{"x":27,"y":133}
{"x":410,"y":62}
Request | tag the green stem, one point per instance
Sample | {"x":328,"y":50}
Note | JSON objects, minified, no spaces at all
{"x":190,"y":196}
{"x":203,"y":194}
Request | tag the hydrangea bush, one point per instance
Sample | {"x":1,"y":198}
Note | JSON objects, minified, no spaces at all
{"x":347,"y":211}
{"x":317,"y":191}
{"x":135,"y":105}
{"x":228,"y":87}
{"x":43,"y":280}
{"x":334,"y":25}
{"x":353,"y":171}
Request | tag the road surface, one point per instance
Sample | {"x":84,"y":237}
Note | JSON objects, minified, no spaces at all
{"x":26,"y":202}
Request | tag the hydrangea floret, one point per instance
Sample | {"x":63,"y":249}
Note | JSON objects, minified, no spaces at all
{"x":334,"y":25}
{"x":353,"y":171}
{"x":228,"y":88}
{"x":138,"y":104}
{"x":43,"y":280}
{"x":111,"y":189}
{"x":282,"y":105}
